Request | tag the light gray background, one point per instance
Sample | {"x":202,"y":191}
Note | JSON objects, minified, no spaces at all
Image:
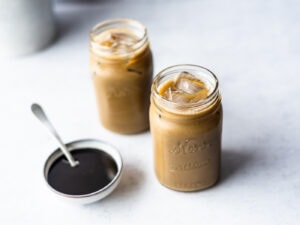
{"x":252,"y":46}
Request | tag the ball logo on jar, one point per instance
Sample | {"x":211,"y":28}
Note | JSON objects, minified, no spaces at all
{"x":189,"y":146}
{"x":189,"y":166}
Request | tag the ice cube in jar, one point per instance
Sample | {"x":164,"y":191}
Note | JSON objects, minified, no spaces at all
{"x":185,"y":89}
{"x":117,"y":40}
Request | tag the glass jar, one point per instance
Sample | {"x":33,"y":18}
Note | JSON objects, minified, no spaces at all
{"x":186,"y":135}
{"x":122,"y":67}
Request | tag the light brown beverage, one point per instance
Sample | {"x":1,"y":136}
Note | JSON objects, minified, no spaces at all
{"x":186,"y":127}
{"x":122,"y":68}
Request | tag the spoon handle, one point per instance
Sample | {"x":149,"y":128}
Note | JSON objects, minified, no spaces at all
{"x":38,"y":111}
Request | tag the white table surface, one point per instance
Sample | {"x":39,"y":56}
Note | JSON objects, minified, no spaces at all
{"x":253,"y":47}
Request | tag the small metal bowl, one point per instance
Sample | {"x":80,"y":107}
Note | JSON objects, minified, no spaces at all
{"x":80,"y":144}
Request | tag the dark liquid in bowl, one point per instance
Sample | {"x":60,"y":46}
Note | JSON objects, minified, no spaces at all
{"x":96,"y":169}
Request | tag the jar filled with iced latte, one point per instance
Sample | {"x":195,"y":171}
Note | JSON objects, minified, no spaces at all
{"x":186,"y":127}
{"x":121,"y":66}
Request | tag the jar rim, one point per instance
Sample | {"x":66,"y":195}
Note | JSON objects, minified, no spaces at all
{"x":117,"y":23}
{"x":190,"y":106}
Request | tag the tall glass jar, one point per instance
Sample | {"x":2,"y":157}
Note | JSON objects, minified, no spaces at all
{"x":186,"y":132}
{"x":122,"y":67}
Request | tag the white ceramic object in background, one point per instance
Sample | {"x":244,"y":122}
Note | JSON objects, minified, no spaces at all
{"x":26,"y":26}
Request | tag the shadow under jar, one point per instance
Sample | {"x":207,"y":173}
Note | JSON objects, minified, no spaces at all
{"x":122,"y":67}
{"x":186,"y":127}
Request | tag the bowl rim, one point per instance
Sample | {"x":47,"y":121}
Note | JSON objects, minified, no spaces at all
{"x":77,"y":145}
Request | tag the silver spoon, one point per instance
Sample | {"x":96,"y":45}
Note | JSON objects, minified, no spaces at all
{"x":40,"y":114}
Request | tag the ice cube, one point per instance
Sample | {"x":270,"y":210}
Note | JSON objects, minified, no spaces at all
{"x":188,"y":83}
{"x":118,"y":40}
{"x":125,"y":39}
{"x":185,"y":89}
{"x":174,"y":95}
{"x":180,"y":97}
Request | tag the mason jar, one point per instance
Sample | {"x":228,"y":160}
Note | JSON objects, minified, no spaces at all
{"x":186,"y":127}
{"x":121,"y":65}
